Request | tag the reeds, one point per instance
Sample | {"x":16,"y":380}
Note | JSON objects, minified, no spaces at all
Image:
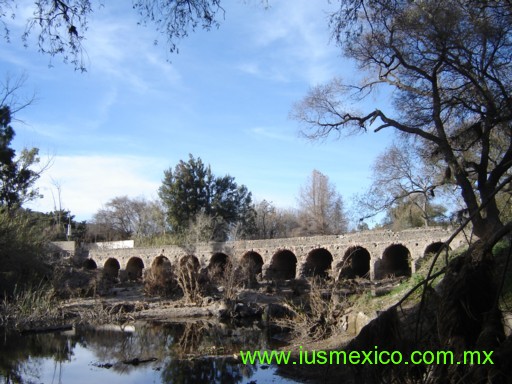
{"x":33,"y":306}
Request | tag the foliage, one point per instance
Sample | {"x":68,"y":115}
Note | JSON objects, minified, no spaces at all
{"x":320,"y":207}
{"x":448,"y":66}
{"x":16,"y":176}
{"x":191,"y":189}
{"x":22,"y":252}
{"x":30,"y":306}
{"x":410,"y":214}
{"x":503,"y":252}
{"x":54,"y":225}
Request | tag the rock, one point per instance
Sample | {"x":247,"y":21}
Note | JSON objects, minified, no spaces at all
{"x":208,"y":300}
{"x":356,"y":322}
{"x":237,"y":310}
{"x":243,"y":310}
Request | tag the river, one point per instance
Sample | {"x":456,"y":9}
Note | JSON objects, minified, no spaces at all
{"x":181,"y":353}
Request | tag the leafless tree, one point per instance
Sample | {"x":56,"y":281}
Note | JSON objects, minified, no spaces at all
{"x":448,"y":65}
{"x":60,"y":26}
{"x":124,"y":217}
{"x":320,"y":207}
{"x":273,"y":222}
{"x":402,"y":177}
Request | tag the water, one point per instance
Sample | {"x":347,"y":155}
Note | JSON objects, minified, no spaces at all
{"x":195,"y":352}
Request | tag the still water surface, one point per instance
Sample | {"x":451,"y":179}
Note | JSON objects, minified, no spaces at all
{"x":195,"y":352}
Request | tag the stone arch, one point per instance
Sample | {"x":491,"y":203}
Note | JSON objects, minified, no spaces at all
{"x":217,"y":266}
{"x":251,"y":265}
{"x":434,"y":248}
{"x":111,"y":268}
{"x":89,"y":264}
{"x":160,"y":263}
{"x":159,"y":279}
{"x":318,"y":263}
{"x":134,"y":268}
{"x":430,"y":250}
{"x":395,"y":261}
{"x":283,"y":265}
{"x":190,"y":262}
{"x":219,"y":260}
{"x":356,"y":263}
{"x":252,"y":261}
{"x":187,"y":276}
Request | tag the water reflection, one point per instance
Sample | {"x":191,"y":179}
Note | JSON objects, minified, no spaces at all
{"x":193,"y":352}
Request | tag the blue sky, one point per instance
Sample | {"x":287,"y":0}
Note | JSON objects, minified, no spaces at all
{"x":225,"y":97}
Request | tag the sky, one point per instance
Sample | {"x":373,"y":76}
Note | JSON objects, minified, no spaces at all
{"x":225,"y":97}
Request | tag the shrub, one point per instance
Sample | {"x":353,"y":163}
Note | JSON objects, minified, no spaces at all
{"x":23,"y":259}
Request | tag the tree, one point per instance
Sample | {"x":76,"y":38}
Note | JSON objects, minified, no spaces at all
{"x":17,"y":176}
{"x":124,"y":217}
{"x":54,"y":225}
{"x":411,"y":214}
{"x":320,"y":207}
{"x":191,"y":188}
{"x":60,"y":26}
{"x":448,"y":67}
{"x":403,"y":178}
{"x":447,"y":64}
{"x":273,"y":222}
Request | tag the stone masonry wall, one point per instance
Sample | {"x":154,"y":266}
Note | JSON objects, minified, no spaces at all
{"x":375,"y":242}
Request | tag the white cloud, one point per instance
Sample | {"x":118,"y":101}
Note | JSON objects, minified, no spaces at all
{"x":272,"y":134}
{"x":118,"y":47}
{"x":297,"y":37}
{"x":88,"y":182}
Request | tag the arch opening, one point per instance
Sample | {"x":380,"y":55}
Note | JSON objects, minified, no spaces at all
{"x":134,"y":268}
{"x":161,"y":264}
{"x":217,"y":265}
{"x":89,"y":264}
{"x":111,"y":268}
{"x":396,"y":261}
{"x":251,"y":266}
{"x":190,"y":262}
{"x":431,"y":250}
{"x":159,"y":278}
{"x":318,"y":263}
{"x":252,"y":262}
{"x":187,"y":276}
{"x":434,"y":248}
{"x":283,"y":265}
{"x":356,"y":263}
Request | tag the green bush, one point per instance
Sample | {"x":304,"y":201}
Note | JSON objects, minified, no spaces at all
{"x":22,"y":253}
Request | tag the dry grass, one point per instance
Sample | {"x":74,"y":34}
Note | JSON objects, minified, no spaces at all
{"x":102,"y":313}
{"x":187,"y":278}
{"x":30,"y":307}
{"x":228,"y":278}
{"x":159,"y":279}
{"x":318,"y":316}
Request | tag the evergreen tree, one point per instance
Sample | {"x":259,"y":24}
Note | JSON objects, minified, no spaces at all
{"x":191,"y":189}
{"x":16,"y":177}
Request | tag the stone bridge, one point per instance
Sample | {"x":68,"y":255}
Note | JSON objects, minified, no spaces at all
{"x":371,"y":254}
